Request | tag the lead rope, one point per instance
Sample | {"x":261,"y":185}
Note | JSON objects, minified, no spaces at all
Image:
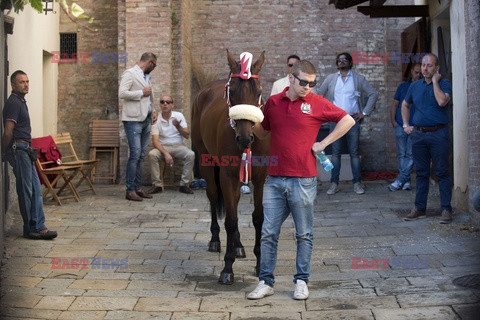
{"x":246,"y":166}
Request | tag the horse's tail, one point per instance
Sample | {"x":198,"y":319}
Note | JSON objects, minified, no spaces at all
{"x":220,"y":205}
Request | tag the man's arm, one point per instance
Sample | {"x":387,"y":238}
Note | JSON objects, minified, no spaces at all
{"x":7,"y":135}
{"x":157,"y":145}
{"x":441,"y":97}
{"x":406,"y":116}
{"x":393,"y":112}
{"x":340,"y":129}
{"x":259,"y":131}
{"x":184,"y":132}
{"x":323,"y":88}
{"x":371,"y":95}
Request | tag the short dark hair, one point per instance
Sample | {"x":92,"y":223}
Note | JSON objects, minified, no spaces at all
{"x":304,"y":66}
{"x":433,"y":56}
{"x":293,"y":56}
{"x":347,"y":55}
{"x":147,"y":56}
{"x":14,"y":75}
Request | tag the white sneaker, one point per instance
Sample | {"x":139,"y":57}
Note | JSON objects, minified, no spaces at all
{"x":301,"y":290}
{"x":333,"y":188}
{"x":358,"y":188}
{"x":261,"y":291}
{"x":245,"y":189}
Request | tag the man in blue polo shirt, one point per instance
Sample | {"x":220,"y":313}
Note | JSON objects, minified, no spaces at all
{"x":430,"y":136}
{"x":403,"y":141}
{"x":16,"y":141}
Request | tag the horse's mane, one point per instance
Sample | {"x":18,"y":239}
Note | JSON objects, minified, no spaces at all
{"x":201,"y":77}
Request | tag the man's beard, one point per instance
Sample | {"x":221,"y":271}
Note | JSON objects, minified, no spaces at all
{"x":344,"y":68}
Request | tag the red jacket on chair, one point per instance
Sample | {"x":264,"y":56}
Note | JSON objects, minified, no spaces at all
{"x":47,"y":151}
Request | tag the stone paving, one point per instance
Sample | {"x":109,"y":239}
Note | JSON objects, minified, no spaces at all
{"x":162,"y":270}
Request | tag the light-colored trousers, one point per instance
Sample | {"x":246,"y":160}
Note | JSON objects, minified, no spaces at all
{"x":177,"y":151}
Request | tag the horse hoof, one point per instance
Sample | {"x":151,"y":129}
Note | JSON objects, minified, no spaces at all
{"x":226,"y":278}
{"x":214,"y":246}
{"x":240,"y":253}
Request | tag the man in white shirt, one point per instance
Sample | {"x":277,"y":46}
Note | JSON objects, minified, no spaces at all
{"x":167,"y":139}
{"x":351,"y":92}
{"x":282,"y":83}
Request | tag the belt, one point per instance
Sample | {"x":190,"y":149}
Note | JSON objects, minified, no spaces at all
{"x":431,"y":129}
{"x":23,"y":141}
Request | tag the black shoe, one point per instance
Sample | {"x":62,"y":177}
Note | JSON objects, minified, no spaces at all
{"x":43,"y":235}
{"x":185,"y":189}
{"x":155,"y":189}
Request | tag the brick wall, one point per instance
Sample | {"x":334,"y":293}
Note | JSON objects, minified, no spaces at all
{"x":186,"y":34}
{"x":88,"y":90}
{"x":472,"y":21}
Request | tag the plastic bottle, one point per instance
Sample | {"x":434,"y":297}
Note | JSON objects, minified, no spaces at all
{"x":324,"y":160}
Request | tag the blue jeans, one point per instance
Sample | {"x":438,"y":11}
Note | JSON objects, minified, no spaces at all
{"x":427,"y":147}
{"x":138,"y":137}
{"x":352,"y":136}
{"x":29,"y":190}
{"x":404,"y":154}
{"x":282,"y":195}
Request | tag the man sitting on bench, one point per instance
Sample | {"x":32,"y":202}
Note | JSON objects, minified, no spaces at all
{"x":167,"y":138}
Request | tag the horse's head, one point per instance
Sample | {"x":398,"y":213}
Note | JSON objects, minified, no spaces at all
{"x":244,"y":94}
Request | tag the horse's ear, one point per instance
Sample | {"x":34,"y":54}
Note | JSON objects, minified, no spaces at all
{"x":257,"y":66}
{"x":231,"y":62}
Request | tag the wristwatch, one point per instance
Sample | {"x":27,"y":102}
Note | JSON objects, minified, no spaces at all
{"x":405,"y":125}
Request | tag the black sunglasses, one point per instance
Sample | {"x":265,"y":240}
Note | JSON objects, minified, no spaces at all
{"x":290,"y":64}
{"x":342,"y":60}
{"x":303,"y":83}
{"x":166,"y":101}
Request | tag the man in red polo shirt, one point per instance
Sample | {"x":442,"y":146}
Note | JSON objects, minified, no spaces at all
{"x":293,"y":119}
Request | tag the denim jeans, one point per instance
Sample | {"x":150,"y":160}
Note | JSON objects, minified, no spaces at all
{"x":427,"y":147}
{"x":352,"y":136}
{"x":29,"y":190}
{"x":404,"y":154}
{"x":282,"y":195}
{"x":138,"y":137}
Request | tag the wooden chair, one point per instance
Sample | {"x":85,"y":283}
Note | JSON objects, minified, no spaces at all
{"x":51,"y":174}
{"x":104,"y":138}
{"x":69,"y":158}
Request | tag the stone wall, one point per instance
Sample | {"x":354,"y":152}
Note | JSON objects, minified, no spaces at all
{"x":472,"y":16}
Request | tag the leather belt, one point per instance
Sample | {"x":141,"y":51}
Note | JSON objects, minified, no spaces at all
{"x":23,"y":141}
{"x":431,"y":129}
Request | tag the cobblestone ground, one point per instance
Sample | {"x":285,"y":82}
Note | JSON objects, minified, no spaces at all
{"x":164,"y":271}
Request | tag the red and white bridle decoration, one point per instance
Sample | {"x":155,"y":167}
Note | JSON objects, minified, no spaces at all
{"x":245,"y":74}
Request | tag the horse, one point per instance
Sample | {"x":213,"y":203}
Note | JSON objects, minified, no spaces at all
{"x":215,"y":136}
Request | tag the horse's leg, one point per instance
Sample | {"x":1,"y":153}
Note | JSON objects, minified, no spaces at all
{"x":257,"y":214}
{"x":208,"y":173}
{"x":231,"y":195}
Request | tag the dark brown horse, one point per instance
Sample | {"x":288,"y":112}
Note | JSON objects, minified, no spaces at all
{"x":213,"y":137}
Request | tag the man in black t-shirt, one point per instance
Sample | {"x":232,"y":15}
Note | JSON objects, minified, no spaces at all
{"x":16,"y":140}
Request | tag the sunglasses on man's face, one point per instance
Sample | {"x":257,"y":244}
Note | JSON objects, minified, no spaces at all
{"x":290,"y":64}
{"x":342,"y":60}
{"x":166,"y":101}
{"x":303,"y":83}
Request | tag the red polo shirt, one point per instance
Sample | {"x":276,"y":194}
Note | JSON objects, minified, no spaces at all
{"x":294,"y":126}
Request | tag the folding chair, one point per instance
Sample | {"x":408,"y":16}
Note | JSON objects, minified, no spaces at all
{"x":69,"y":158}
{"x":51,"y":173}
{"x":104,"y":138}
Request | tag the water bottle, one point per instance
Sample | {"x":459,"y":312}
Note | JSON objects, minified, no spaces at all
{"x":324,"y":160}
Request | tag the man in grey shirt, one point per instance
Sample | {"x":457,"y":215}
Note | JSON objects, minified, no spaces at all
{"x":353,"y":93}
